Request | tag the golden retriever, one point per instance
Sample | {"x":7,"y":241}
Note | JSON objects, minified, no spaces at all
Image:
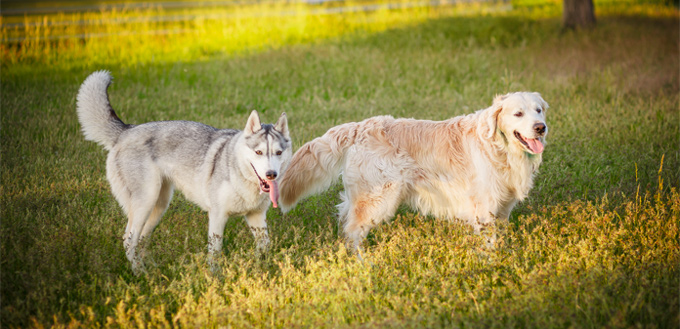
{"x":473,"y":168}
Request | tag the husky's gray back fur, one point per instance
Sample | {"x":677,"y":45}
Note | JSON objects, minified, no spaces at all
{"x":224,"y":171}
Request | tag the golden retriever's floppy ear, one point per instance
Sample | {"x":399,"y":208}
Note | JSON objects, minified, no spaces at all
{"x":541,"y":101}
{"x":494,"y":111}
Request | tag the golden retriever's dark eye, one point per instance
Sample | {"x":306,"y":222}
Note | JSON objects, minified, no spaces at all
{"x":258,"y":152}
{"x":279,"y":152}
{"x":538,"y":110}
{"x":519,"y":114}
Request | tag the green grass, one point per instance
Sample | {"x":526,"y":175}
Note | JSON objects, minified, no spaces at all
{"x":595,"y":244}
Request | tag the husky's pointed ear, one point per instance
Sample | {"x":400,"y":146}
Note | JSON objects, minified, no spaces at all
{"x":282,"y":125}
{"x":493,"y":112}
{"x":253,"y":125}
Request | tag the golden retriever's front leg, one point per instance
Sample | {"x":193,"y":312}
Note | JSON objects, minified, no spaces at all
{"x":486,"y":227}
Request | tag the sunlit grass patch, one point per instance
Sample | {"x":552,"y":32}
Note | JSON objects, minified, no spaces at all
{"x":151,"y":35}
{"x":581,"y":264}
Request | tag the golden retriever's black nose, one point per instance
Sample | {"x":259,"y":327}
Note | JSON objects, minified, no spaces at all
{"x":539,"y":128}
{"x":271,"y":175}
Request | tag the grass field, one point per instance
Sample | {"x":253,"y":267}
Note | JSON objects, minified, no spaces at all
{"x":595,"y":245}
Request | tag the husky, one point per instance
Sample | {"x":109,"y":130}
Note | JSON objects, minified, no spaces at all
{"x":226,"y":172}
{"x":473,"y":168}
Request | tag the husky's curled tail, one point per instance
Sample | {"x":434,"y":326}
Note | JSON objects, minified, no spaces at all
{"x":97,"y":118}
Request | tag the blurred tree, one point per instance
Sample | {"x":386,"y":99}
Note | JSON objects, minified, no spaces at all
{"x":578,"y":14}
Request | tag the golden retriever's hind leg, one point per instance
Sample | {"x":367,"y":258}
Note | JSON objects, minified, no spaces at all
{"x":343,"y":210}
{"x":363,"y":212}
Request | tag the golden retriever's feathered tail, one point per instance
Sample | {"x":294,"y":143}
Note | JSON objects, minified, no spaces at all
{"x":316,"y":165}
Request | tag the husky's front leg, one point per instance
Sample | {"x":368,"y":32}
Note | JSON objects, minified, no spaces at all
{"x":218,"y":220}
{"x":257,"y":221}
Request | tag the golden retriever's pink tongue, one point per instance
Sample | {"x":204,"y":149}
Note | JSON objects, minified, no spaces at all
{"x":535,"y":145}
{"x":273,"y":192}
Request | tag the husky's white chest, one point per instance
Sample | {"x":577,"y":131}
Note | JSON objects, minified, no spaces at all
{"x":239,"y":199}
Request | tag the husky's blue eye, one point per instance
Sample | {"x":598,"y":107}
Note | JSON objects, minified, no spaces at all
{"x":258,"y":152}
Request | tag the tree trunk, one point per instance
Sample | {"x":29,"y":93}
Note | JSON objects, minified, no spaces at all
{"x":578,"y":14}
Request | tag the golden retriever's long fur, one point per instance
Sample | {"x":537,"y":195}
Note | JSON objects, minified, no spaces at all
{"x":473,"y":168}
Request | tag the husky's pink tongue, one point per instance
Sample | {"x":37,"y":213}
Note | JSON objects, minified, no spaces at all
{"x":273,"y":192}
{"x":535,"y":145}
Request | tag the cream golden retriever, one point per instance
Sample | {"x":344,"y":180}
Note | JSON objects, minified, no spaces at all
{"x":473,"y":168}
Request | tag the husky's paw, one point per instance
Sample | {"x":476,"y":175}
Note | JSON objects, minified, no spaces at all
{"x":261,"y":238}
{"x":138,"y":268}
{"x":213,"y":263}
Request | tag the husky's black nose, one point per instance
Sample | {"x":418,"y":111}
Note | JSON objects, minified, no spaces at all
{"x":539,"y":128}
{"x":271,"y":174}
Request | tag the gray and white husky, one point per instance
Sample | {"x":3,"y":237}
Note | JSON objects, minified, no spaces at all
{"x":226,"y":172}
